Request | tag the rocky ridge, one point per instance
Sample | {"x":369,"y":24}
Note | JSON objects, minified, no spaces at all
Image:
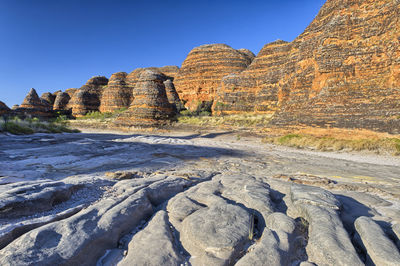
{"x":343,"y":71}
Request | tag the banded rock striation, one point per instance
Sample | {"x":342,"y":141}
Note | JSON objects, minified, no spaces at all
{"x":117,"y":94}
{"x":61,"y":101}
{"x":342,"y":71}
{"x":150,"y":104}
{"x":87,"y":98}
{"x":203,"y":69}
{"x":33,"y":105}
{"x":173,"y":96}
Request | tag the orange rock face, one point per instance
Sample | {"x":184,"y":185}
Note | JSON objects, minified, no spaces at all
{"x":343,"y":71}
{"x":203,"y":69}
{"x":33,"y":105}
{"x":150,"y":106}
{"x":87,"y":98}
{"x":117,"y":94}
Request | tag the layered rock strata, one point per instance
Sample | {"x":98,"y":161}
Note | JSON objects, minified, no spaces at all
{"x":203,"y":69}
{"x":173,"y":96}
{"x":150,"y":104}
{"x":87,"y":98}
{"x":48,"y":97}
{"x":343,"y":71}
{"x":117,"y":94}
{"x":61,"y":101}
{"x":33,"y":105}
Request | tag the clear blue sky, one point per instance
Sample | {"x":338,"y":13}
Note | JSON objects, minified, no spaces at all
{"x":59,"y":44}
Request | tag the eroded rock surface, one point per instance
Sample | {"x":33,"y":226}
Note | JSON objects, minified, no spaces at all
{"x":150,"y":104}
{"x":87,"y":98}
{"x":342,"y":71}
{"x":34,"y":106}
{"x":199,"y":199}
{"x":203,"y":69}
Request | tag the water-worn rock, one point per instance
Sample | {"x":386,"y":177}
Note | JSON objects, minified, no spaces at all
{"x":150,"y":106}
{"x":279,"y":221}
{"x":87,"y":98}
{"x":328,"y":243}
{"x":117,"y":95}
{"x":82,"y":238}
{"x":154,"y":245}
{"x":265,"y":252}
{"x":379,"y":248}
{"x":19,"y":200}
{"x":203,"y":69}
{"x":216,"y":234}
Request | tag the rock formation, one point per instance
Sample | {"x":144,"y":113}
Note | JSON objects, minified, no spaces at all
{"x":33,"y":105}
{"x":169,"y":71}
{"x":87,"y":98}
{"x":150,"y":104}
{"x":343,"y":71}
{"x":61,"y":101}
{"x":203,"y":69}
{"x":4,"y":108}
{"x":173,"y":96}
{"x":71,"y":91}
{"x":48,"y":97}
{"x":117,"y":94}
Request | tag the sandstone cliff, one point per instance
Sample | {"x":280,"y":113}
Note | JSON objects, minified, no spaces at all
{"x":343,"y":71}
{"x":35,"y":106}
{"x":117,"y":94}
{"x":87,"y":98}
{"x":61,"y":101}
{"x":48,"y":97}
{"x":150,"y":106}
{"x":203,"y":69}
{"x":4,"y":108}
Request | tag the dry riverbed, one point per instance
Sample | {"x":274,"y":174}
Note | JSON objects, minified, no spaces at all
{"x":208,"y":198}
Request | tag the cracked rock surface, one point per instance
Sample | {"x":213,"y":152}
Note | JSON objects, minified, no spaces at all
{"x":192,"y":199}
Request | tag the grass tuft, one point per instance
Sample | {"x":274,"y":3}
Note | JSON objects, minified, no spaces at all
{"x":325,"y":143}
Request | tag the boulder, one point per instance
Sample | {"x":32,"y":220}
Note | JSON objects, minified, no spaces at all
{"x":117,"y":94}
{"x":203,"y":69}
{"x":150,"y":106}
{"x":87,"y":98}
